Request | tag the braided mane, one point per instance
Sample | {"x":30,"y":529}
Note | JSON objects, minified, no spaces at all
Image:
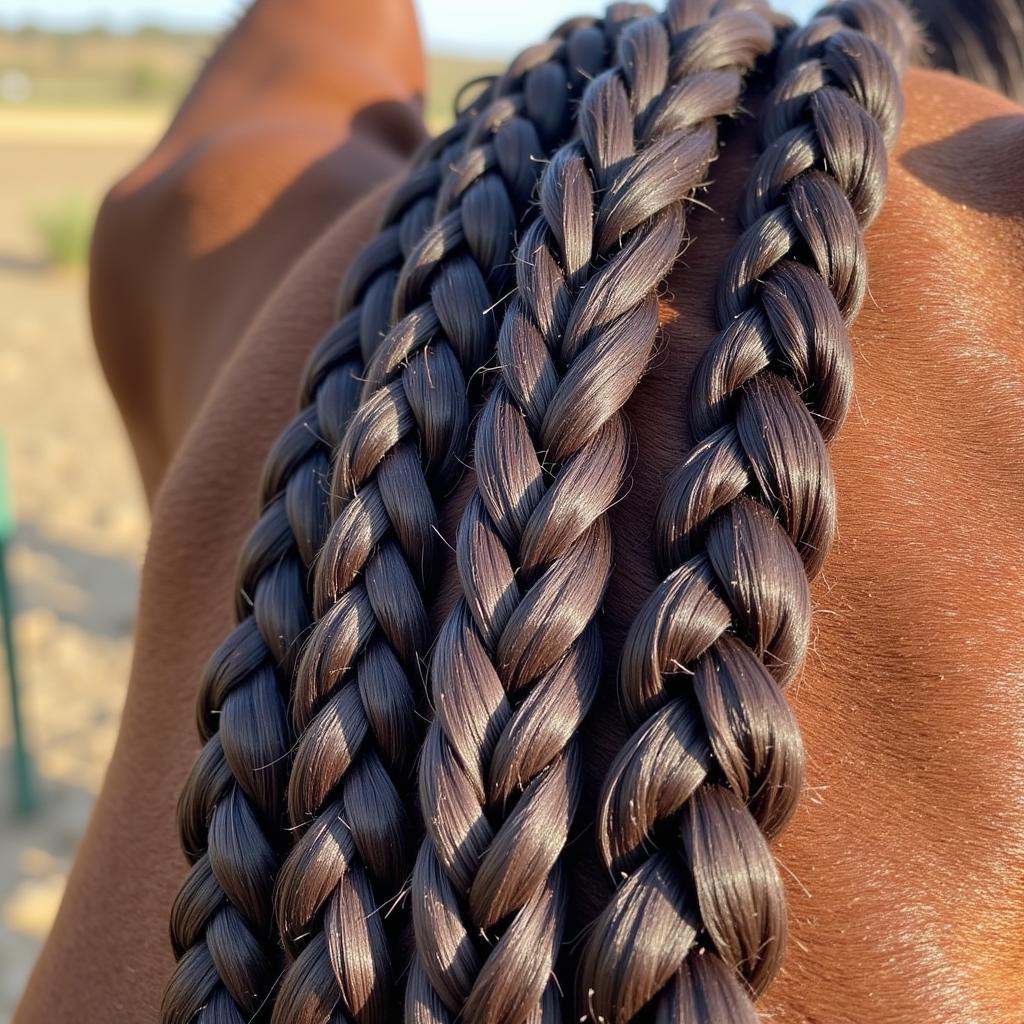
{"x":232,"y":809}
{"x":517,"y":663}
{"x":532,"y":241}
{"x":715,"y":764}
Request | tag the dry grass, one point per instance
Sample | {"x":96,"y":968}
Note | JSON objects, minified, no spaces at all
{"x":64,"y":229}
{"x":100,"y":68}
{"x":153,"y":68}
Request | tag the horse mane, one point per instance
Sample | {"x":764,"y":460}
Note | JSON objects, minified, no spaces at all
{"x":982,"y":40}
{"x":351,"y":743}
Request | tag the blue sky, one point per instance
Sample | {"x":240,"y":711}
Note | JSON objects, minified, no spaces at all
{"x":461,"y":25}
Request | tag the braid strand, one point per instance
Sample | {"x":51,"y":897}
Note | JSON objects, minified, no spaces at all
{"x":357,"y":694}
{"x":517,"y":663}
{"x":743,"y":526}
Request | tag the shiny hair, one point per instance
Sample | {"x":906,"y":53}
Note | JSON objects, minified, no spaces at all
{"x":301,"y":817}
{"x":714,"y":765}
{"x":982,"y":40}
{"x":447,"y":235}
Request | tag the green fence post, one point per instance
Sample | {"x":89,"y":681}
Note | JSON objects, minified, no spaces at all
{"x":24,"y":783}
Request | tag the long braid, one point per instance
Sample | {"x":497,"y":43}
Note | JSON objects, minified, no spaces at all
{"x":517,"y":662}
{"x":696,"y":927}
{"x":231,"y":811}
{"x":357,"y":686}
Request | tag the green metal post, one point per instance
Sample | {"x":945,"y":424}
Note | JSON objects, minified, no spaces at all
{"x":24,"y":782}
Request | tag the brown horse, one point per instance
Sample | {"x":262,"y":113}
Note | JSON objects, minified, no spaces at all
{"x":215,"y":270}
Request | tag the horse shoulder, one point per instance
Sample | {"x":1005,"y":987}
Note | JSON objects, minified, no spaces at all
{"x":301,"y":111}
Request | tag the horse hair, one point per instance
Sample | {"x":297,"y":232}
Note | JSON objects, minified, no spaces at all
{"x":517,"y":663}
{"x":357,"y":695}
{"x":982,"y":40}
{"x":300,"y":817}
{"x":743,"y":525}
{"x":232,"y":808}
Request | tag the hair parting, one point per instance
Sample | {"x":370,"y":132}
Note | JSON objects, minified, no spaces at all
{"x":714,"y":767}
{"x":517,"y":663}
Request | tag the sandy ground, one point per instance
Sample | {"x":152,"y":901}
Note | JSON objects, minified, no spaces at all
{"x":82,"y":522}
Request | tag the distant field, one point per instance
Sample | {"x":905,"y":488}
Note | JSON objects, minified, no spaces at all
{"x":150,"y":70}
{"x":96,"y":68}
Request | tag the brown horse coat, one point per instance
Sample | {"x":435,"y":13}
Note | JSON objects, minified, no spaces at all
{"x":215,"y":266}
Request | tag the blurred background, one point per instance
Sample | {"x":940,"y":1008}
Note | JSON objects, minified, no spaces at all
{"x":86,"y":86}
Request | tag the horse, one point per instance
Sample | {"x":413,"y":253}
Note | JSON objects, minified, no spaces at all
{"x":215,"y":271}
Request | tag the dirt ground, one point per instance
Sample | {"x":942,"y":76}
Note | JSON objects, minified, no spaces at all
{"x":82,"y":522}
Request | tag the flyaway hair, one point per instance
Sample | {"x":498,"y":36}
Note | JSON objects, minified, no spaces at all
{"x":358,"y":703}
{"x":518,"y":662}
{"x":714,"y":767}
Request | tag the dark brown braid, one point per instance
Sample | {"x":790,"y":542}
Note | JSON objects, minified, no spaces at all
{"x":358,"y":684}
{"x":696,"y":927}
{"x":231,"y":811}
{"x":517,"y":663}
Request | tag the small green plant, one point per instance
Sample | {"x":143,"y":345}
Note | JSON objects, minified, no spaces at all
{"x":143,"y":82}
{"x":64,"y":230}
